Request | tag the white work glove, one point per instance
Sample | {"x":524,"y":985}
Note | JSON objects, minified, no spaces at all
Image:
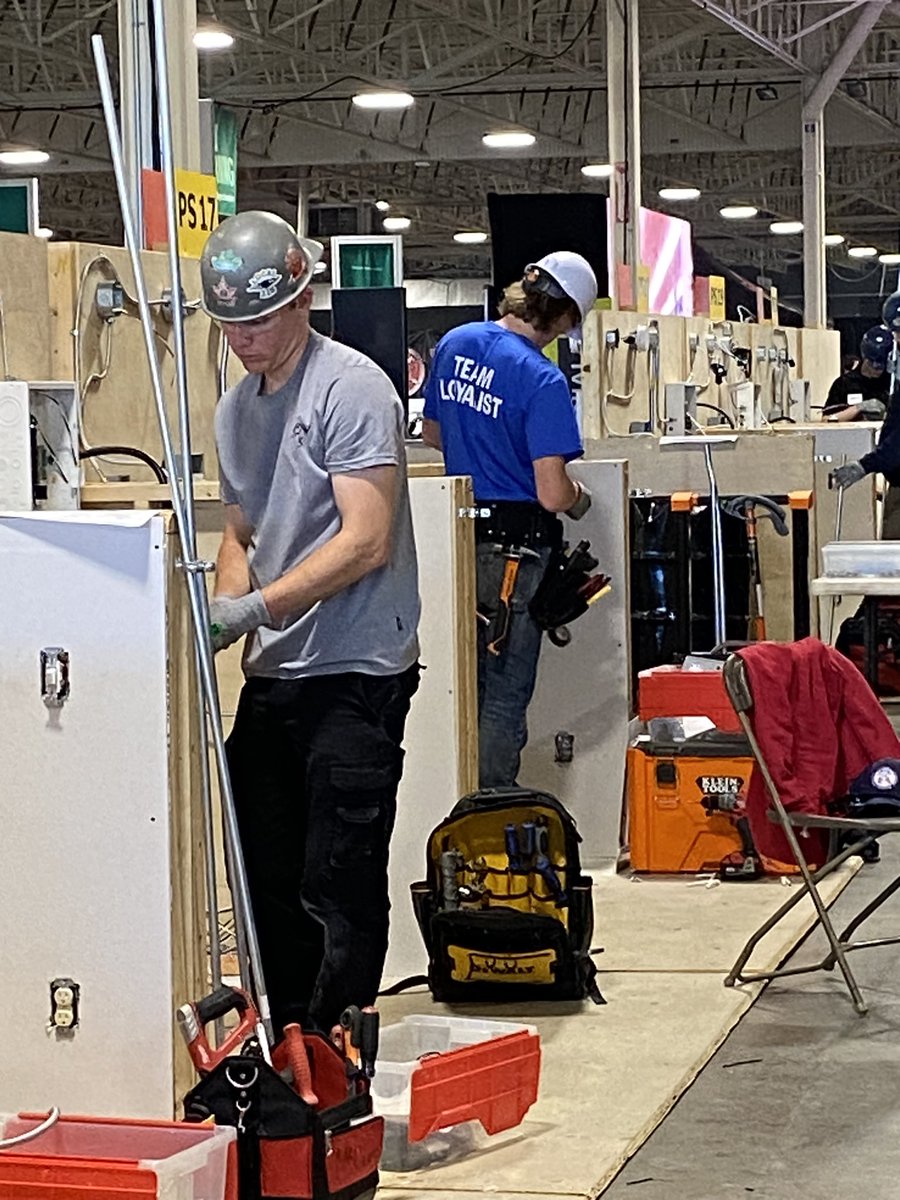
{"x":845,"y":477}
{"x":230,"y":617}
{"x":873,"y":409}
{"x":582,"y":502}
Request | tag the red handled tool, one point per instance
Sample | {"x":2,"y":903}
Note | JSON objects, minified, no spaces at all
{"x":295,"y":1048}
{"x":194,"y":1018}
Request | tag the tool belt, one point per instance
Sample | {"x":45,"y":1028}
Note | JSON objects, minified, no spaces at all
{"x":517,"y":523}
{"x":288,"y":1149}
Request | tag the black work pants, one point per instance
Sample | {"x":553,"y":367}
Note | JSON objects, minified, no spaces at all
{"x":315,"y":764}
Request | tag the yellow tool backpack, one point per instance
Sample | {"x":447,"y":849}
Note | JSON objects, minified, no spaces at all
{"x":505,"y":911}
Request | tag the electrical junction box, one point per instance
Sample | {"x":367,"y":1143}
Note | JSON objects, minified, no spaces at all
{"x":681,"y":409}
{"x":746,"y":403}
{"x":799,"y":401}
{"x":39,"y":466}
{"x":56,"y":469}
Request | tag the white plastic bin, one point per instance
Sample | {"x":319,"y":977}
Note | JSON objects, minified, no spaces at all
{"x":189,"y":1161}
{"x":401,"y":1047}
{"x":861,"y":558}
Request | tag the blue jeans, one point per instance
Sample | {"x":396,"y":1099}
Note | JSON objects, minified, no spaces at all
{"x":506,"y":681}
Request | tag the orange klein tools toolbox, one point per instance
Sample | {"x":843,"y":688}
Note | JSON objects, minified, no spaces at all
{"x":682,"y":801}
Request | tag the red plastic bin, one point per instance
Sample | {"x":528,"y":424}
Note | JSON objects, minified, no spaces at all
{"x":102,"y":1158}
{"x":678,"y":692}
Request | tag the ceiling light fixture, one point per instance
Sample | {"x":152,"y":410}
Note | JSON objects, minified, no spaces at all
{"x":889,"y":260}
{"x":320,"y":268}
{"x":679,"y":193}
{"x":23,"y":158}
{"x":863,"y":252}
{"x":213,"y":39}
{"x":833,"y":239}
{"x":509,"y":139}
{"x":470,"y":237}
{"x":396,"y":224}
{"x":44,"y":232}
{"x":598,"y":170}
{"x":738,"y":212}
{"x":383,"y":100}
{"x":766,"y":92}
{"x":783,"y":228}
{"x":383,"y":205}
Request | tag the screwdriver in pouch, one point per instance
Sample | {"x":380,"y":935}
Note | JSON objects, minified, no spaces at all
{"x":511,"y":835}
{"x":545,"y":868}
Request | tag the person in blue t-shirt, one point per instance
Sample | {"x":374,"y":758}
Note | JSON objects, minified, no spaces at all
{"x":502,"y":412}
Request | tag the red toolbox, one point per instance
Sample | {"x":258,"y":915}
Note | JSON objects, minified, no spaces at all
{"x":682,"y":692}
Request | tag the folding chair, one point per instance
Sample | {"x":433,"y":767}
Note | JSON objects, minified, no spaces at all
{"x":867,"y":829}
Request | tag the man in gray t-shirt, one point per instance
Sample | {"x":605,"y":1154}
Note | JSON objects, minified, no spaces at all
{"x":317,"y":566}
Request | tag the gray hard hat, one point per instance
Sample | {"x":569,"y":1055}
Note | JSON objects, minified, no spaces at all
{"x":253,"y":264}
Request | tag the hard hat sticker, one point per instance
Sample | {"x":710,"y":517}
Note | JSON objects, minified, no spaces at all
{"x":264,"y":283}
{"x":295,"y":261}
{"x":224,"y":294}
{"x":226,"y":262}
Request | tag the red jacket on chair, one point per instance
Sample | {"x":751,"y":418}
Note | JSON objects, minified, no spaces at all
{"x":818,"y":724}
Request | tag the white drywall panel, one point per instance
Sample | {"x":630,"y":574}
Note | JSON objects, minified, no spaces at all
{"x":433,"y":768}
{"x":84,"y":853}
{"x":583,"y":688}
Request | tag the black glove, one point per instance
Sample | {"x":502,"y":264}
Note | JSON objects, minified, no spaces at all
{"x":845,"y":477}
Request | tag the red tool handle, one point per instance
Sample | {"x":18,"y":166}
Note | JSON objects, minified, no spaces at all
{"x":193,"y":1019}
{"x":295,"y":1048}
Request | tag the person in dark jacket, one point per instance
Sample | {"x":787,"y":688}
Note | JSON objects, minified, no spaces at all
{"x":861,"y":394}
{"x":885,"y":458}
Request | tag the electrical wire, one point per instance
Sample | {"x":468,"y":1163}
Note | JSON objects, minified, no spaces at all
{"x":50,"y":451}
{"x":6,"y":371}
{"x":131,"y":452}
{"x":82,"y":386}
{"x":715,"y":408}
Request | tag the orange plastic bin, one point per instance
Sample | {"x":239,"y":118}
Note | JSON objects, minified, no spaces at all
{"x":440,"y":1081}
{"x":101,"y":1158}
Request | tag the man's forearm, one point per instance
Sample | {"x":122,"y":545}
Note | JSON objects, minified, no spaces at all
{"x":232,"y":570}
{"x":340,"y":562}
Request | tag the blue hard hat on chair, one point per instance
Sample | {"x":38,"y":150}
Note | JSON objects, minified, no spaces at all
{"x":876,"y":790}
{"x":876,"y":345}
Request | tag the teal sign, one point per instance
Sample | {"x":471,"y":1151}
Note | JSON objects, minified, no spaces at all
{"x":225,"y":150}
{"x":18,"y":205}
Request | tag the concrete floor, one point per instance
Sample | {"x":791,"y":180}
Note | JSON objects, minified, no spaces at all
{"x":802,"y":1100}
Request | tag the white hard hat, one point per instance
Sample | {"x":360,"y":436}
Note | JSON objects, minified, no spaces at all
{"x":573,"y":276}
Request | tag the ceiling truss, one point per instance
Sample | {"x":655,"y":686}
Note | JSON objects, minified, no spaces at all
{"x":722,"y":84}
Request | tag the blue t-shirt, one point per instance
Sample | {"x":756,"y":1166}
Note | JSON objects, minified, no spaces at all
{"x":500,"y":404}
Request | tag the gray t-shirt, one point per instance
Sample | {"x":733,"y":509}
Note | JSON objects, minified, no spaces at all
{"x":337,"y":414}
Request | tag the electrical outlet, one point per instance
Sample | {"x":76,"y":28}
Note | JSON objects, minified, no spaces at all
{"x":109,"y":300}
{"x":65,"y":995}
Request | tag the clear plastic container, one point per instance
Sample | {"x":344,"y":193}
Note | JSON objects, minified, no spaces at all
{"x":401,"y":1048}
{"x":861,"y":558}
{"x":100,"y":1154}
